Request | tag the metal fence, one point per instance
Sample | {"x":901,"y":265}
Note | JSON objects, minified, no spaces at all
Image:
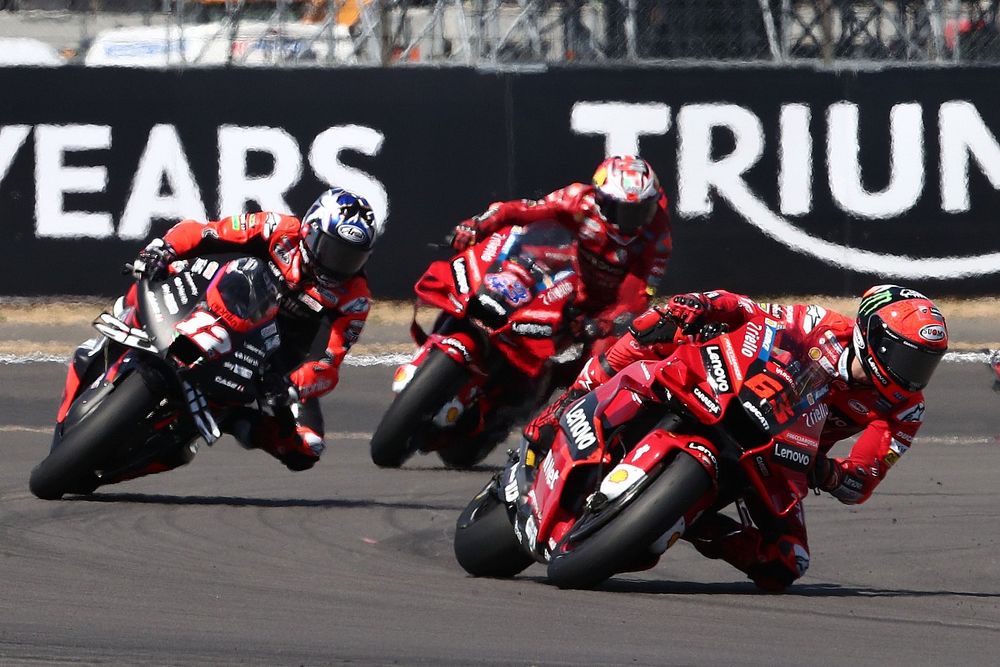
{"x":496,"y":32}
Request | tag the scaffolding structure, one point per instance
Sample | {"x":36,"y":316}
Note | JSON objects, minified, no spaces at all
{"x":531,"y":32}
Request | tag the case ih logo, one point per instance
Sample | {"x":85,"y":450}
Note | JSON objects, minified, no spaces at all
{"x":964,"y":141}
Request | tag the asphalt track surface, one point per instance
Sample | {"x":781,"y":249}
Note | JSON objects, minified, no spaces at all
{"x":235,"y":560}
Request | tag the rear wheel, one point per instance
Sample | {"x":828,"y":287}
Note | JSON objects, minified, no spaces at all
{"x":435,"y":381}
{"x":623,"y":541}
{"x":69,"y":467}
{"x":485,"y":545}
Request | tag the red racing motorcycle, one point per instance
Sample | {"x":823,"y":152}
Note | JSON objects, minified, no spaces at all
{"x":505,"y":307}
{"x":640,"y":458}
{"x":196,"y":347}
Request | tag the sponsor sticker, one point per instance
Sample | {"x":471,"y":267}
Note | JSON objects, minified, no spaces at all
{"x":353,"y":233}
{"x":512,"y":289}
{"x":912,"y":414}
{"x":790,"y":456}
{"x":718,"y":374}
{"x":460,"y":275}
{"x":932,"y":333}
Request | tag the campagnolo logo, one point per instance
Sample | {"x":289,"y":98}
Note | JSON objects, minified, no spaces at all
{"x":962,"y":138}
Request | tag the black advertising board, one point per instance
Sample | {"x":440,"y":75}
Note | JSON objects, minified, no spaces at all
{"x":780,"y":180}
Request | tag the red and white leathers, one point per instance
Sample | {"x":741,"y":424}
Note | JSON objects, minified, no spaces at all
{"x":775,"y":555}
{"x":305,"y":307}
{"x":618,"y":273}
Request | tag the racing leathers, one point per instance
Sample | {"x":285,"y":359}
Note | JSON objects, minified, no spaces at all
{"x":293,"y":435}
{"x":773,"y":553}
{"x":617,"y":273}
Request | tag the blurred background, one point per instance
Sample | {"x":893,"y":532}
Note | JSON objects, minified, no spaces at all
{"x":307,"y":33}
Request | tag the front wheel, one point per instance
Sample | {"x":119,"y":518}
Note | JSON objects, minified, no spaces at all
{"x":624,"y":539}
{"x":435,"y":381}
{"x":69,"y":467}
{"x":485,"y":545}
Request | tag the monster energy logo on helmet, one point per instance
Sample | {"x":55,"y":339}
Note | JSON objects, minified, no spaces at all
{"x":883,"y":295}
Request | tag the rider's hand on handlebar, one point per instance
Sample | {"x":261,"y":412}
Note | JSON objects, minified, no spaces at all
{"x":687,"y":310}
{"x":823,"y":476}
{"x":153,"y":260}
{"x":589,"y":329}
{"x":466,"y":233}
{"x":279,"y":391}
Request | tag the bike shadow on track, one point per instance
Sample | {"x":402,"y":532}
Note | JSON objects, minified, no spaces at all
{"x":818,"y":590}
{"x":239,"y":501}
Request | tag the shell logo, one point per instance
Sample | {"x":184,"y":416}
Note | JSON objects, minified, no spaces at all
{"x":600,"y":176}
{"x":618,"y":476}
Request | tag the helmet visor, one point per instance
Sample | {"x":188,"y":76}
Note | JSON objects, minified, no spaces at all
{"x":909,"y":364}
{"x":334,"y":257}
{"x":629,"y":217}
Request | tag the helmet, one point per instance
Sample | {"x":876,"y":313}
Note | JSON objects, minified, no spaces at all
{"x":627,"y":192}
{"x":899,"y":337}
{"x":338,"y":233}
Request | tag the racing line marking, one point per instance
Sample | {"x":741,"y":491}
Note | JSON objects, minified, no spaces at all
{"x":364,"y":360}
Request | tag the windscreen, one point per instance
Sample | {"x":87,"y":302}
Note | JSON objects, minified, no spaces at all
{"x":547,"y":249}
{"x":792,"y":373}
{"x":247,"y":290}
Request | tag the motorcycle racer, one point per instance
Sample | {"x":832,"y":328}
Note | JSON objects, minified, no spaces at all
{"x":890,"y":351}
{"x":623,"y":227}
{"x":319,"y":263}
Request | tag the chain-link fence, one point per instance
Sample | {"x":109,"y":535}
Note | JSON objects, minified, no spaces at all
{"x":495,"y":32}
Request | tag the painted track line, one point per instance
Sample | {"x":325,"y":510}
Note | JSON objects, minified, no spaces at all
{"x":361,"y":435}
{"x":364,"y":360}
{"x":336,"y":435}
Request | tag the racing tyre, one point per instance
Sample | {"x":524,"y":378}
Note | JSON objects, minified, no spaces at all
{"x":466,"y":453}
{"x":435,"y":381}
{"x":485,"y":545}
{"x":69,"y":467}
{"x":613,"y":547}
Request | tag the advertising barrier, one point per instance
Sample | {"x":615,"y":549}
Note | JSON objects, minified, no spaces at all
{"x":780,"y":180}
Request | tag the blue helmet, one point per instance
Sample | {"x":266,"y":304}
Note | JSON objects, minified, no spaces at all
{"x":338,"y":234}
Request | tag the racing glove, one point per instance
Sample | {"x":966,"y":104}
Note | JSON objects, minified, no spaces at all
{"x":314,"y":378}
{"x":687,"y":310}
{"x":153,"y":260}
{"x":280,"y":391}
{"x":466,"y":233}
{"x":469,"y":231}
{"x":589,"y":329}
{"x":824,"y":475}
{"x":541,"y":431}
